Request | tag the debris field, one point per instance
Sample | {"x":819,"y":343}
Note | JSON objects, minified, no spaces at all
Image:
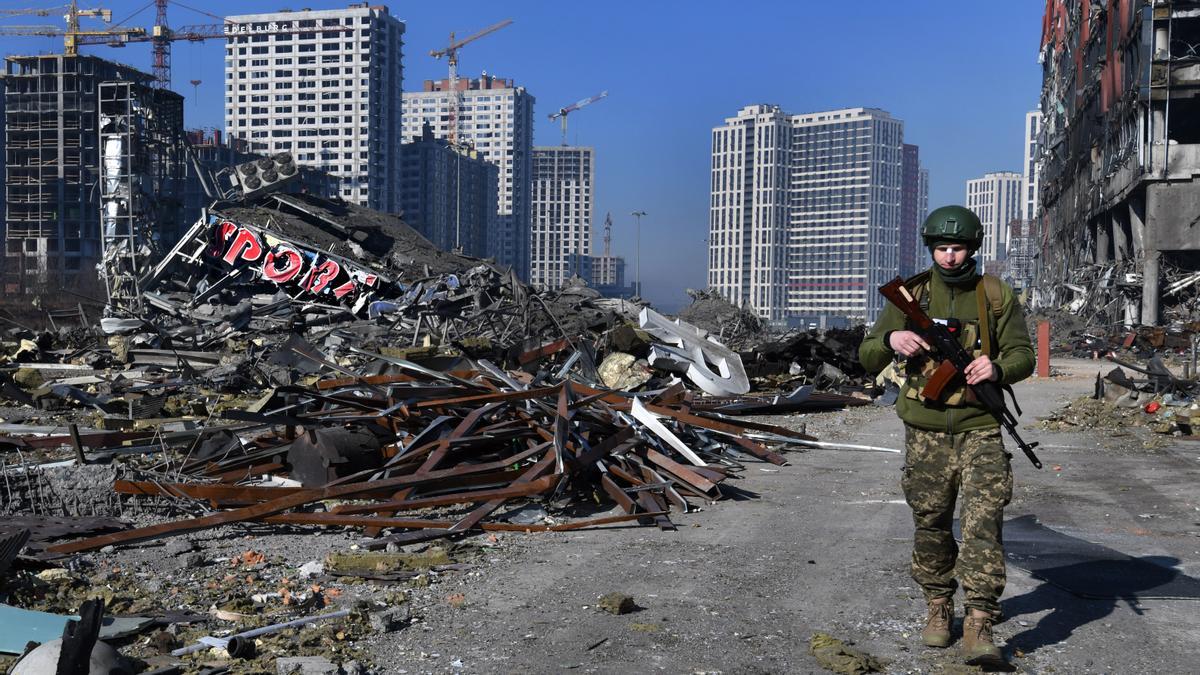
{"x":295,"y":365}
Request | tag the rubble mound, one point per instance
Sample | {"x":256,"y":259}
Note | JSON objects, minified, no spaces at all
{"x":734,"y":326}
{"x":828,"y":358}
{"x":353,"y":231}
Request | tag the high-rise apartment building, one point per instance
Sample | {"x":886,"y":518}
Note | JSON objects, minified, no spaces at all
{"x":1029,"y":179}
{"x":748,"y":226}
{"x":448,"y":193}
{"x":996,"y":199}
{"x":923,"y":211}
{"x":497,"y":120}
{"x":2,"y":209}
{"x":561,"y":233}
{"x":914,"y":206}
{"x":804,"y":217}
{"x":331,"y":97}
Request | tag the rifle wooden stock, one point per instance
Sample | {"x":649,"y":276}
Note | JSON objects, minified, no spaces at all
{"x":955,"y":360}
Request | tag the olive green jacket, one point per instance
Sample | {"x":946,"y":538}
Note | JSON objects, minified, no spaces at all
{"x":1014,"y":356}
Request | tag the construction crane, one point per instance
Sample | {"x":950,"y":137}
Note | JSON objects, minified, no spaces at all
{"x":160,"y":36}
{"x":36,"y":11}
{"x":608,"y":235}
{"x":563,"y":112}
{"x":451,"y":54}
{"x":73,"y":36}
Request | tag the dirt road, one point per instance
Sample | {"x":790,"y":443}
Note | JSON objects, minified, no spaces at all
{"x":822,"y":545}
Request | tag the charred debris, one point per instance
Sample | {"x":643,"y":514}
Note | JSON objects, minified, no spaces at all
{"x":292,"y":362}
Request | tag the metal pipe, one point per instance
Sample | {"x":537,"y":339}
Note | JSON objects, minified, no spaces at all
{"x":274,"y":628}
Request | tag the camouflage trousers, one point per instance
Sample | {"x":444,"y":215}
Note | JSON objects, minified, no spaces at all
{"x":938,"y":469}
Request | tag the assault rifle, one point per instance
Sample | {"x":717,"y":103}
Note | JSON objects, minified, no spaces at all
{"x":955,"y":360}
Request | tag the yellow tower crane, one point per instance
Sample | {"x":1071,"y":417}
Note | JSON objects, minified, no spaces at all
{"x":73,"y":36}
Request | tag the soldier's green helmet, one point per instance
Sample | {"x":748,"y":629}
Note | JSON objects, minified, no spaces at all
{"x":953,"y":223}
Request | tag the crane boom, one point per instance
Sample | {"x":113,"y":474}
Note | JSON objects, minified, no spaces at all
{"x":562,"y":113}
{"x":161,"y":36}
{"x":73,"y":36}
{"x":451,"y":50}
{"x":36,"y":11}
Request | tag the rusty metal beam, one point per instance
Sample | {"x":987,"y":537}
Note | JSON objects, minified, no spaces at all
{"x":515,"y":490}
{"x":489,"y":398}
{"x":543,"y":351}
{"x":335,"y":520}
{"x":679,"y":471}
{"x":275,"y":506}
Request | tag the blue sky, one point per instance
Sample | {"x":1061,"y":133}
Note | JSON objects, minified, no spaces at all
{"x":960,"y":74}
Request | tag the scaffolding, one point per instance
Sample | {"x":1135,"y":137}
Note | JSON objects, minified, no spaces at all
{"x":141,"y":176}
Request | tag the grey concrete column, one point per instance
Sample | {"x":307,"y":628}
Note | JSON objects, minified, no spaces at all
{"x":1137,"y":225}
{"x":1150,"y":287}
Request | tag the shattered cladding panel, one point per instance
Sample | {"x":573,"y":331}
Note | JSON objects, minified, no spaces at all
{"x":699,"y":350}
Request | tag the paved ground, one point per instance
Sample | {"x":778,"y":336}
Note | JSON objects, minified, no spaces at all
{"x":822,"y":545}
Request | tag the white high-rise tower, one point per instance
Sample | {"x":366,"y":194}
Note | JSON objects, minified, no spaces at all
{"x":332,"y":98}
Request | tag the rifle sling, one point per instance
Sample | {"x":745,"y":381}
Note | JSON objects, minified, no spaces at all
{"x":985,"y":334}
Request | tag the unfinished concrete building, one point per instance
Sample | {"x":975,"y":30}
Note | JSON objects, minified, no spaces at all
{"x":448,"y":193}
{"x":53,"y":237}
{"x":1120,"y":153}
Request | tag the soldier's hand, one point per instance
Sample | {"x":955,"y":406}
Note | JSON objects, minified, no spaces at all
{"x":980,"y":370}
{"x":906,"y":343}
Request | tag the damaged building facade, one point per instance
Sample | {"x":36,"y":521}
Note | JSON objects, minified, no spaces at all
{"x":53,"y":114}
{"x":1119,"y":157}
{"x":214,"y":150}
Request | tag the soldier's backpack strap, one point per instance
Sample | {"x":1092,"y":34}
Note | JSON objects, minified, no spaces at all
{"x":991,"y":297}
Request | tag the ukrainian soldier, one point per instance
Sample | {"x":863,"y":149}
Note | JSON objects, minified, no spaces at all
{"x":953,"y":449}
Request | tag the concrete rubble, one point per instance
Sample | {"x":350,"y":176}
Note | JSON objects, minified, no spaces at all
{"x":297,"y":365}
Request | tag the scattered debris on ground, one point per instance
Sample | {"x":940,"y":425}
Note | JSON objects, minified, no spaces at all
{"x":299,"y":368}
{"x":1151,"y":398}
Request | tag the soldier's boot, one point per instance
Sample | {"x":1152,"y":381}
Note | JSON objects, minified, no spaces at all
{"x":978,"y":649}
{"x":937,"y":625}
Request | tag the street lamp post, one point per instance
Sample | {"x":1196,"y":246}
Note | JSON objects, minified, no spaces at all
{"x":637,"y":270}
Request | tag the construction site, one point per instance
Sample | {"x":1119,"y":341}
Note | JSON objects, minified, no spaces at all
{"x":248,"y":425}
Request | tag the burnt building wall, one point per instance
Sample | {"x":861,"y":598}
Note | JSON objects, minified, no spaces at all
{"x":1119,"y":156}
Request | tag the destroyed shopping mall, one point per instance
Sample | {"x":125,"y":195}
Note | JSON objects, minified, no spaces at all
{"x":292,"y":364}
{"x":1120,"y":151}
